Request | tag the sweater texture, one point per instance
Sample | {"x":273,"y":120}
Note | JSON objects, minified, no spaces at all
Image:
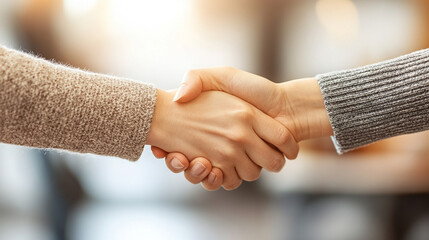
{"x":48,"y":105}
{"x":378,"y":101}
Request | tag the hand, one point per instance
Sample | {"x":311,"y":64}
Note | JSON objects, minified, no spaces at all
{"x":297,"y":104}
{"x":222,"y":128}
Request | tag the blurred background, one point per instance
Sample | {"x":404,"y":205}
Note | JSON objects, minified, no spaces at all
{"x":378,"y":192}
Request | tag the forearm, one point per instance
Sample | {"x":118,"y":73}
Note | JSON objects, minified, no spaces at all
{"x":378,"y":101}
{"x":47,"y":105}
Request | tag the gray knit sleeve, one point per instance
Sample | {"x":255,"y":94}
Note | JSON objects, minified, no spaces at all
{"x":377,"y":101}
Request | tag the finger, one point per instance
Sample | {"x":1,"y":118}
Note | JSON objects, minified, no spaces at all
{"x":199,"y":168}
{"x":231,"y":179}
{"x":176,"y":162}
{"x":247,"y":169}
{"x":158,"y":152}
{"x":276,"y":134}
{"x":231,"y":161}
{"x":264,"y":155}
{"x":214,"y":180}
{"x":233,"y":185}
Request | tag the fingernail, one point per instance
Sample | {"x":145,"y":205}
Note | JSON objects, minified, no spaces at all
{"x":212,"y":178}
{"x":176,"y":164}
{"x":198,"y":169}
{"x":180,"y":92}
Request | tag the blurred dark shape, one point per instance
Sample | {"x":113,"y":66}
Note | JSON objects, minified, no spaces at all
{"x":35,"y":22}
{"x":65,"y":192}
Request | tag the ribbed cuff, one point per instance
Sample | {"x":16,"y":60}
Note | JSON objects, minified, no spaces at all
{"x":377,"y":101}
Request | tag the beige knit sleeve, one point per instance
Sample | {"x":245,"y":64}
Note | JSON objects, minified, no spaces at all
{"x":48,"y":105}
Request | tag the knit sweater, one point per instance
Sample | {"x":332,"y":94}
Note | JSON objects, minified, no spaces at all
{"x":48,"y":105}
{"x":377,"y":101}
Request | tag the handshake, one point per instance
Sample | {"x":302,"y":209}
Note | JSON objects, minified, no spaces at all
{"x":224,"y":125}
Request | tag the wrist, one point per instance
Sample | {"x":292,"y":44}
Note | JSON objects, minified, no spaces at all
{"x":160,"y":118}
{"x":307,"y":108}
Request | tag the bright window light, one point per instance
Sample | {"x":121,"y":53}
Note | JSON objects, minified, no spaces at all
{"x":339,"y":17}
{"x":78,"y":7}
{"x":147,"y":13}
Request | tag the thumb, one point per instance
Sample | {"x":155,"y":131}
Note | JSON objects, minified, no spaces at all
{"x":200,"y":80}
{"x":193,"y":84}
{"x":188,"y":91}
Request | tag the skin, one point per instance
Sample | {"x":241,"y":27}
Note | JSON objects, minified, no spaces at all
{"x":233,"y":134}
{"x":297,"y":104}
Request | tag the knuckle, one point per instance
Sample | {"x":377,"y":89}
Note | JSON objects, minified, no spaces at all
{"x":191,"y":74}
{"x":245,"y":113}
{"x":238,"y":136}
{"x":283,"y":136}
{"x":228,"y":152}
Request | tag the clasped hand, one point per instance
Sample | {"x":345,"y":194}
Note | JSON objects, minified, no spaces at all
{"x":231,"y":124}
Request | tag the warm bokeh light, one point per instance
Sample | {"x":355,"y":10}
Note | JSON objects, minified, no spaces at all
{"x":78,"y":7}
{"x":339,"y":17}
{"x":147,"y":14}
